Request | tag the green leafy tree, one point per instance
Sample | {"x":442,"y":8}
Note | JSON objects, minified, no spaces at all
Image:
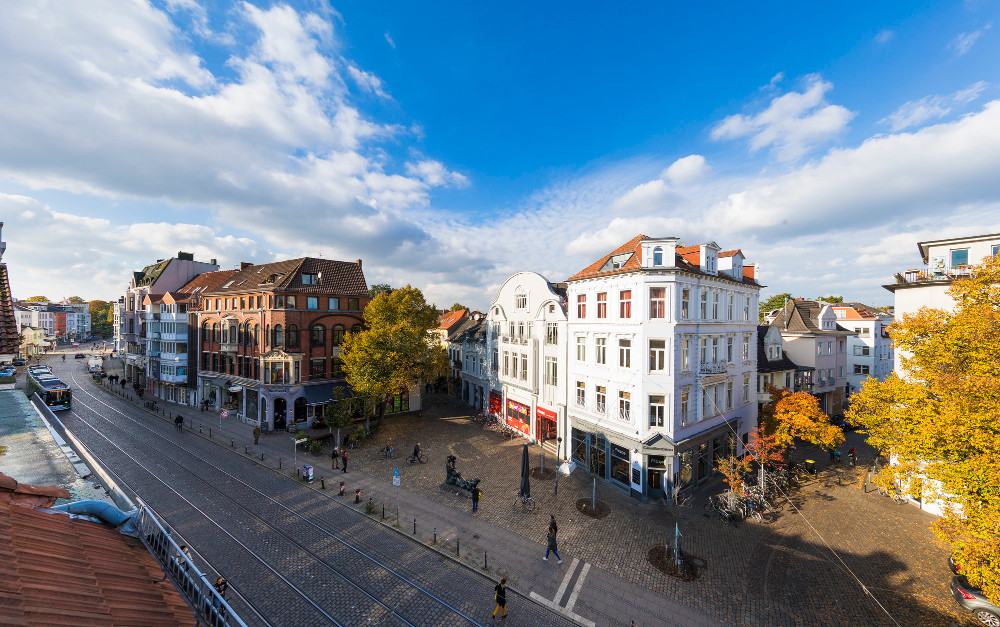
{"x":940,"y":420}
{"x":101,"y":317}
{"x":39,"y":299}
{"x":76,"y":300}
{"x":458,"y":307}
{"x":831,"y":299}
{"x":338,"y":414}
{"x":396,"y":347}
{"x":775,"y":302}
{"x":379,"y":288}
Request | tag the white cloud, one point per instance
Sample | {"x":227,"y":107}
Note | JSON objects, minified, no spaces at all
{"x":916,"y":112}
{"x":792,"y":124}
{"x":435,"y":174}
{"x":884,"y":36}
{"x":367,"y":81}
{"x":964,"y":41}
{"x":388,"y":39}
{"x":687,"y":170}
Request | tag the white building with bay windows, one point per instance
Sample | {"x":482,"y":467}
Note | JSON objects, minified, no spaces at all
{"x":526,"y":345}
{"x":661,"y":367}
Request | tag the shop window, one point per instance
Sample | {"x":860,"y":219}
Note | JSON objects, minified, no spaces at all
{"x":619,"y":464}
{"x":599,"y":456}
{"x":317,"y":368}
{"x":579,"y":446}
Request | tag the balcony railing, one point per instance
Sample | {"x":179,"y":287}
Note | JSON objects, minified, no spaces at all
{"x":944,"y":274}
{"x":228,"y":347}
{"x":601,"y":407}
{"x":714,"y":367}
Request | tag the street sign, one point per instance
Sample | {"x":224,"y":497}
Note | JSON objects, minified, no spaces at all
{"x":395,"y":477}
{"x":225,"y":413}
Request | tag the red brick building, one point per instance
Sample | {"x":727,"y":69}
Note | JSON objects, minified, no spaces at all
{"x":270,"y":337}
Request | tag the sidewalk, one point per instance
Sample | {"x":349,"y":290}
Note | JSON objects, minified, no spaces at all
{"x":577,"y":588}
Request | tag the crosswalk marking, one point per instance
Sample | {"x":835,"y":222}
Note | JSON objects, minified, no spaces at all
{"x":568,"y":610}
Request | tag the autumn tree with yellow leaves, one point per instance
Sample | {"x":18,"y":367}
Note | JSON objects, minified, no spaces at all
{"x":941,"y":420}
{"x":789,"y":415}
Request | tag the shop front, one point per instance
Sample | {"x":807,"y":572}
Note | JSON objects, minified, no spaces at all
{"x":698,"y":456}
{"x":519,"y":416}
{"x":277,"y":405}
{"x":496,"y":403}
{"x":545,"y":423}
{"x":610,"y":456}
{"x":658,"y":451}
{"x":233,"y":399}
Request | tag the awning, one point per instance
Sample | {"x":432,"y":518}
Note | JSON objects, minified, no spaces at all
{"x":323,"y":393}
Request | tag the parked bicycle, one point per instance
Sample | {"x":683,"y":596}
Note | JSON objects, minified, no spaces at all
{"x":895,"y":494}
{"x":718,"y":506}
{"x":527,"y":503}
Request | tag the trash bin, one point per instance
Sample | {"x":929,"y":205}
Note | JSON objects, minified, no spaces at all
{"x":307,"y":472}
{"x":811,"y":467}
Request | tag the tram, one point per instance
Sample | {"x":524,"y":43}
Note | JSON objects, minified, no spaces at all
{"x":53,"y":392}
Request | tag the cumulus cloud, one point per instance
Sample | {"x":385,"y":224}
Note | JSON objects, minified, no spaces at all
{"x":687,"y":170}
{"x":964,"y":41}
{"x":792,"y":124}
{"x":916,"y":112}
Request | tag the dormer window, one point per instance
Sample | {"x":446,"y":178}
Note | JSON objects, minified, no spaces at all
{"x":521,"y":300}
{"x":657,"y":256}
{"x":271,"y":278}
{"x":311,"y":278}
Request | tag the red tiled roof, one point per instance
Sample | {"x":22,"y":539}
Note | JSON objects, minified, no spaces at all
{"x":730,"y":253}
{"x":449,"y":319}
{"x":344,"y":278}
{"x":55,"y":570}
{"x":688,"y":258}
{"x":206,"y":281}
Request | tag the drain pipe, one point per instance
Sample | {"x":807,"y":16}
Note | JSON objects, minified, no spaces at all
{"x":105,"y":512}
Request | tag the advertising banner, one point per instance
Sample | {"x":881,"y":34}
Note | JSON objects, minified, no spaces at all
{"x":518,"y":416}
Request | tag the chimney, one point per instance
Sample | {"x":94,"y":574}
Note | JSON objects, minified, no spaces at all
{"x":244,"y":265}
{"x":213,"y":262}
{"x":358,"y":262}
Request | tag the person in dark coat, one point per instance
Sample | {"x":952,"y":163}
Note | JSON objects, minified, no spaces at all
{"x":344,"y":459}
{"x":550,"y":540}
{"x":501,"y":598}
{"x":256,"y":435}
{"x":476,"y":493}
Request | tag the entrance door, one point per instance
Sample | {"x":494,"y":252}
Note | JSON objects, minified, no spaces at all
{"x":654,"y":483}
{"x":300,"y":409}
{"x":545,"y":428}
{"x":280,"y":409}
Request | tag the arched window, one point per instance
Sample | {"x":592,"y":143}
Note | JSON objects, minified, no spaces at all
{"x":267,"y":335}
{"x":278,"y":335}
{"x":256,"y":335}
{"x":206,"y":332}
{"x":356,"y":328}
{"x":215,"y":332}
{"x":657,"y":256}
{"x":225,"y":333}
{"x":232,"y":334}
{"x":317,"y":336}
{"x":337,"y":334}
{"x":520,"y":298}
{"x":293,"y":336}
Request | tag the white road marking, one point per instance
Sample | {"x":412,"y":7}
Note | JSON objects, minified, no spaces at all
{"x":568,"y":610}
{"x":576,"y":588}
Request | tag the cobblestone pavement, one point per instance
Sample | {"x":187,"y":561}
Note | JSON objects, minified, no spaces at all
{"x":809,"y":564}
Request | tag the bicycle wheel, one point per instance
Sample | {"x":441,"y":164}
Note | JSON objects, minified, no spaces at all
{"x":529,"y":504}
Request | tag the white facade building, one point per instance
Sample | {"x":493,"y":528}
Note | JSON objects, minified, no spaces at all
{"x":661,"y":363}
{"x":944,"y":261}
{"x":526,"y":345}
{"x":869,"y":351}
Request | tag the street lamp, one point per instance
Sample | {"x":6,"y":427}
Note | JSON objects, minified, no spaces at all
{"x":558,"y":449}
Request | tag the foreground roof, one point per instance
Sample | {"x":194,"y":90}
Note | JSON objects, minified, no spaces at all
{"x":55,"y":570}
{"x":686,"y":259}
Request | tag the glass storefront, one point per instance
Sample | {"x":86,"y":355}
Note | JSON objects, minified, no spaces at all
{"x":702,"y":462}
{"x":718,"y":450}
{"x":685,"y":471}
{"x":579,"y":446}
{"x":620,"y":464}
{"x":598,"y":456}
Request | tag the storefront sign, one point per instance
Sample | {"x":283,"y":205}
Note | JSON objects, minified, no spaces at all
{"x":277,"y":389}
{"x":495,"y":403}
{"x":541,"y":412}
{"x":518,"y":416}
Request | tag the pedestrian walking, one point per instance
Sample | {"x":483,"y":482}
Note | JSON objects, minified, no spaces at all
{"x":220,"y":585}
{"x":344,"y":459}
{"x":335,"y":456}
{"x":256,"y":435}
{"x":550,"y":540}
{"x":501,"y":598}
{"x":341,"y":493}
{"x":476,"y":494}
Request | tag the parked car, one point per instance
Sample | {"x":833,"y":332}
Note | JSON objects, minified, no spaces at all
{"x":20,"y":361}
{"x":79,"y":356}
{"x":974,"y":601}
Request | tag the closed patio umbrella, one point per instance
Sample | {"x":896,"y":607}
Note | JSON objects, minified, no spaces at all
{"x":525,"y":470}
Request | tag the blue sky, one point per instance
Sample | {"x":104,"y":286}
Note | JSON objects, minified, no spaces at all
{"x":452,"y":145}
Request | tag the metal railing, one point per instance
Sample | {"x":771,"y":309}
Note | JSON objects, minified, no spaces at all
{"x":714,"y":367}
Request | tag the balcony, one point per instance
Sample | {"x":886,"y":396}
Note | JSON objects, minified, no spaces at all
{"x":229,"y":347}
{"x":713,"y":367}
{"x":173,"y":378}
{"x":515,"y":339}
{"x":943,"y":274}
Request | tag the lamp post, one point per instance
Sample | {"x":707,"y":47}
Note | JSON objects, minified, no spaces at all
{"x":558,"y":449}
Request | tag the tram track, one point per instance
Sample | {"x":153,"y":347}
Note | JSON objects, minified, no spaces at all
{"x":407,"y":599}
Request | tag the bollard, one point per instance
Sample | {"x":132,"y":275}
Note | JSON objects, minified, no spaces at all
{"x":232,"y":443}
{"x":414,"y":526}
{"x":383,"y":511}
{"x":210,"y":433}
{"x":435,"y":535}
{"x":322,"y":484}
{"x":279,"y":462}
{"x":199,"y":429}
{"x":486,"y":564}
{"x":262,"y":456}
{"x":458,"y":547}
{"x":246,"y":449}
